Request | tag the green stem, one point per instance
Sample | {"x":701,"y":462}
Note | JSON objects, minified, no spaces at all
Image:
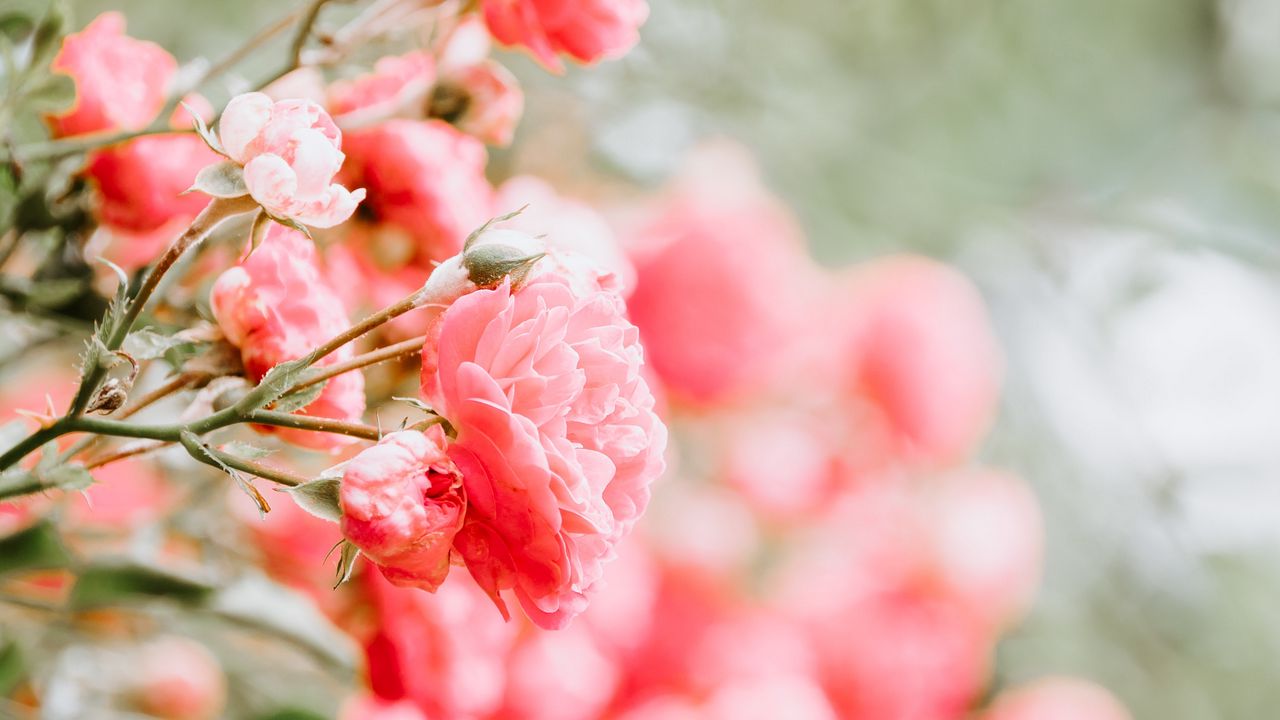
{"x":316,"y":424}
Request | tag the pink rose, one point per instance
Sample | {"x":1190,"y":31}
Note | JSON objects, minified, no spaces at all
{"x":424,"y":177}
{"x":915,"y":358}
{"x":557,"y":439}
{"x":397,"y":83}
{"x":586,"y":31}
{"x":121,"y":82}
{"x":444,"y":652}
{"x":291,"y":151}
{"x":402,"y":505}
{"x":722,"y":280}
{"x":276,"y":306}
{"x":178,"y":679}
{"x":1057,"y":698}
{"x":140,"y":193}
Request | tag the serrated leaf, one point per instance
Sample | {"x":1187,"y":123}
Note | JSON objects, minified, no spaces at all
{"x":35,"y":548}
{"x":276,"y":382}
{"x":147,"y":344}
{"x":320,"y":497}
{"x":104,"y":585}
{"x":50,"y":93}
{"x":346,"y":562}
{"x":221,"y":180}
{"x":202,"y":129}
{"x":299,"y":399}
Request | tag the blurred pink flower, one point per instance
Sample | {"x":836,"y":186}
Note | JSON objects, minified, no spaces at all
{"x":291,"y":151}
{"x":276,"y":306}
{"x":564,"y":223}
{"x":425,"y":177}
{"x":585,"y":31}
{"x":445,"y":652}
{"x":559,"y":676}
{"x":402,"y":505}
{"x":397,"y":83}
{"x":915,"y":358}
{"x":178,"y":679}
{"x":140,"y":189}
{"x":986,"y":538}
{"x":722,"y":280}
{"x":121,"y":82}
{"x":557,"y":439}
{"x":483,"y":99}
{"x":1057,"y":698}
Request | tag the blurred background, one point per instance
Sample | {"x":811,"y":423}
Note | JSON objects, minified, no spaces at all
{"x":1106,"y":172}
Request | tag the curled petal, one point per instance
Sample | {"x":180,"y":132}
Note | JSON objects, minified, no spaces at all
{"x":245,"y":117}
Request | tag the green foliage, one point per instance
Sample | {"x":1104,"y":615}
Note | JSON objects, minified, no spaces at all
{"x":320,"y":497}
{"x":36,"y":548}
{"x":118,"y":584}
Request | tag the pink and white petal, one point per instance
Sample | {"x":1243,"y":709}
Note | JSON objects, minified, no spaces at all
{"x":245,"y":117}
{"x":315,"y":161}
{"x":272,"y":183}
{"x":334,"y":209}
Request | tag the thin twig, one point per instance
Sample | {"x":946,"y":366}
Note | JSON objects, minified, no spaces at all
{"x":404,"y":348}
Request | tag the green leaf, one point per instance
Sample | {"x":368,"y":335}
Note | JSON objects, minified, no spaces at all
{"x":113,"y":584}
{"x":48,"y":35}
{"x":299,"y":399}
{"x":415,"y":402}
{"x":57,"y":292}
{"x":13,"y":668}
{"x":293,"y":224}
{"x":147,"y":344}
{"x":346,"y":562}
{"x":245,"y":450}
{"x":202,"y":129}
{"x":35,"y":548}
{"x":221,"y":180}
{"x":290,"y":714}
{"x":276,"y":382}
{"x":50,"y":93}
{"x":320,"y":497}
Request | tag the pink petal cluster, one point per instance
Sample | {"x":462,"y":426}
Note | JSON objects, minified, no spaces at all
{"x":402,"y":505}
{"x":291,"y":150}
{"x":275,"y":306}
{"x":424,"y":177}
{"x":722,"y":280}
{"x":396,"y":83}
{"x":557,"y":439}
{"x":121,"y":82}
{"x":587,"y":30}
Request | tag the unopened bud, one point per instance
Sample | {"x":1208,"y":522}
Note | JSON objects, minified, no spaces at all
{"x":488,"y":264}
{"x":109,"y":398}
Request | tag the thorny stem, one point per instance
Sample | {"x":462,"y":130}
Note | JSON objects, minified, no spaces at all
{"x":178,"y":382}
{"x":236,"y":462}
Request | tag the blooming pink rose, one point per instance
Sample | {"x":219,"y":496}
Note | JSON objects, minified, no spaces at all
{"x":586,"y":31}
{"x":402,"y":505}
{"x":1057,"y":698}
{"x":291,"y":151}
{"x":722,"y":281}
{"x":178,"y":679}
{"x":444,"y":651}
{"x":425,"y":177}
{"x":121,"y":83}
{"x":557,"y":439}
{"x":396,"y":84}
{"x":564,"y":223}
{"x":275,"y":306}
{"x":916,"y":358}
